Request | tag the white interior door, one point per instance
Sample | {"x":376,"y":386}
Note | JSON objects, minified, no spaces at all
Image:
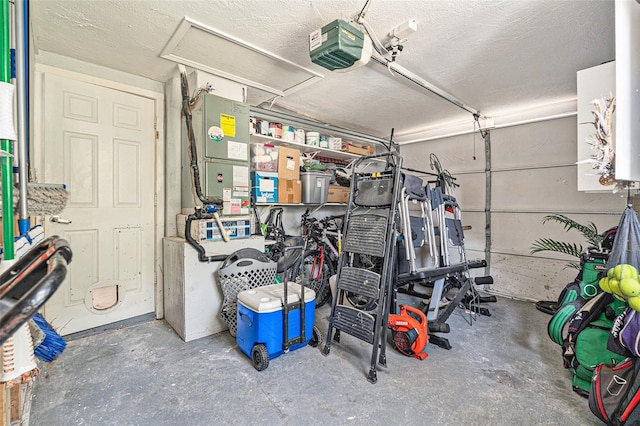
{"x":100,"y":142}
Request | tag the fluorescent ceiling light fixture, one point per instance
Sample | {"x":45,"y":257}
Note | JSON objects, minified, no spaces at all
{"x":208,"y":49}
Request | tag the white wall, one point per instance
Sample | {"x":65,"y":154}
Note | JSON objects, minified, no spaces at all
{"x":173,"y":146}
{"x":533,"y":173}
{"x":70,"y":64}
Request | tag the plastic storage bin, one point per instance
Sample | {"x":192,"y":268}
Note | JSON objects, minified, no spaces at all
{"x":315,"y":187}
{"x":261,"y":320}
{"x":264,"y":157}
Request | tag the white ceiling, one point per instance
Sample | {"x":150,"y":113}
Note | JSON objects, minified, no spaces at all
{"x":494,"y":55}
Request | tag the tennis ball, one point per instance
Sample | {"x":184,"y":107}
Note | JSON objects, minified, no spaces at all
{"x":611,"y":273}
{"x":614,"y":286}
{"x":625,"y":271}
{"x":604,"y":284}
{"x":629,"y":287}
{"x":634,"y":303}
{"x":629,"y":271}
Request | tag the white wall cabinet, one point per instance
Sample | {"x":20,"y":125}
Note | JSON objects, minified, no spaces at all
{"x":593,"y":83}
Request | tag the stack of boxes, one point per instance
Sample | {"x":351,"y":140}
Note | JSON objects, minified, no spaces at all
{"x":290,"y":188}
{"x":264,"y":172}
{"x":275,"y":174}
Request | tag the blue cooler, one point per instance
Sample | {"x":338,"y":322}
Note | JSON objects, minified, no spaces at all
{"x":260,"y":333}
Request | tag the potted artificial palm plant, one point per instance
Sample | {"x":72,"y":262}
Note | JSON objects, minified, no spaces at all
{"x":588,"y":231}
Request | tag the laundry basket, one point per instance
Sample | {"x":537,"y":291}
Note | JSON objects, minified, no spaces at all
{"x":243,"y":270}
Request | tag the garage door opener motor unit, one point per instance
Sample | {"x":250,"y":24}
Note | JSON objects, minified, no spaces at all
{"x":339,"y":46}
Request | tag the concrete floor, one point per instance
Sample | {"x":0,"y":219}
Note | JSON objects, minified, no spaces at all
{"x":502,"y":370}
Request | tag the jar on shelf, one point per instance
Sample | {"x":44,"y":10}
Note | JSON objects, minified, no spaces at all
{"x":275,"y":130}
{"x":335,"y":143}
{"x":299,"y":136}
{"x":262,"y":127}
{"x":313,"y":138}
{"x":323,"y":142}
{"x":288,"y":133}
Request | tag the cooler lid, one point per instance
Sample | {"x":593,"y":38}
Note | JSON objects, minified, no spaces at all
{"x":270,"y":298}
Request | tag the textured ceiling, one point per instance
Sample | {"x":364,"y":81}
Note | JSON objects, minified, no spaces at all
{"x":494,"y":55}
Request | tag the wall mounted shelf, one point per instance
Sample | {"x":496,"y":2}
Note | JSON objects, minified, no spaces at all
{"x":306,"y":149}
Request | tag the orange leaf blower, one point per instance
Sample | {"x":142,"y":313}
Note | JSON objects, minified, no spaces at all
{"x":409,"y":331}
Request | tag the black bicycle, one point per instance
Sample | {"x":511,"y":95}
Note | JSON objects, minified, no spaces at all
{"x":321,"y":257}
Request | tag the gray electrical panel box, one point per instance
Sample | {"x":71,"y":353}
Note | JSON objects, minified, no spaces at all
{"x":221,"y":131}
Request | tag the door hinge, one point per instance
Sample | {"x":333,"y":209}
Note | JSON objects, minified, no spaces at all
{"x":157,"y":135}
{"x":155,"y":200}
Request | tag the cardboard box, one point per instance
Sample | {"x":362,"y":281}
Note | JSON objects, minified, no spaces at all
{"x":264,"y":157}
{"x":264,"y":187}
{"x":288,"y":163}
{"x":289,"y":191}
{"x":338,"y":194}
{"x":353,"y":149}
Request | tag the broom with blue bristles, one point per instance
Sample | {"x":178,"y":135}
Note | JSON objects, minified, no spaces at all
{"x":48,"y":345}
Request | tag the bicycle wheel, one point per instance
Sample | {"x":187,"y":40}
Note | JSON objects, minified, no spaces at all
{"x":286,"y":259}
{"x":315,"y":278}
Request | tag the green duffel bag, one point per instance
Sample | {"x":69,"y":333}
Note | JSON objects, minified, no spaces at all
{"x":585,"y":287}
{"x":591,"y":350}
{"x":585,"y":344}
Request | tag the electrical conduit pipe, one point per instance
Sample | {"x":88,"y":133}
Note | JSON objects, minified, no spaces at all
{"x":22,"y":90}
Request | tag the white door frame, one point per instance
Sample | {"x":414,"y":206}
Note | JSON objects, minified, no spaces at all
{"x":37,"y":167}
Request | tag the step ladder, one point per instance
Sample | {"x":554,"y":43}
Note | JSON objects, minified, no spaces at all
{"x":364,"y":281}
